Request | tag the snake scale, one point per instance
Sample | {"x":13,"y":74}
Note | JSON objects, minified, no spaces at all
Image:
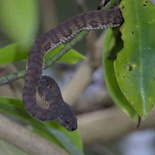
{"x":46,"y":86}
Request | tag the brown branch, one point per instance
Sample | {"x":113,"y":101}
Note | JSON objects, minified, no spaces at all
{"x":48,"y":14}
{"x":83,"y":75}
{"x":81,"y":5}
{"x":91,"y":101}
{"x":107,"y":125}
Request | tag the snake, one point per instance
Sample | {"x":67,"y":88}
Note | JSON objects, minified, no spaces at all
{"x":47,"y":87}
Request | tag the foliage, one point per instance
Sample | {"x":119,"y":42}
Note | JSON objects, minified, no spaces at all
{"x":50,"y":130}
{"x":20,"y":25}
{"x":130,"y":74}
{"x":128,"y":63}
{"x":112,"y":45}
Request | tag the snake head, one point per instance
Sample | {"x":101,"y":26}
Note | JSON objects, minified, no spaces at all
{"x":67,"y":118}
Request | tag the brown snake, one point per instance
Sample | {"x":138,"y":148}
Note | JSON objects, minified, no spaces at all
{"x":47,"y":87}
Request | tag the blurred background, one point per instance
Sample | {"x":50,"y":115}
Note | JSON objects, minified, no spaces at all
{"x":103,"y":127}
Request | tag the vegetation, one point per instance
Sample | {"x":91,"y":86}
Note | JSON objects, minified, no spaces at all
{"x":128,"y":62}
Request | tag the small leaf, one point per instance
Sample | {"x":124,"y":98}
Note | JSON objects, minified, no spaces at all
{"x":71,"y":57}
{"x":11,"y":53}
{"x":134,"y":67}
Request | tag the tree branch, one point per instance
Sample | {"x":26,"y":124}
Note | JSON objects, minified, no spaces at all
{"x":107,"y":125}
{"x":75,"y":86}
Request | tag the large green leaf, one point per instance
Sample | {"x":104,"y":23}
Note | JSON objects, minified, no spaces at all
{"x":134,"y":67}
{"x":19,"y":20}
{"x":52,"y":131}
{"x":112,"y":46}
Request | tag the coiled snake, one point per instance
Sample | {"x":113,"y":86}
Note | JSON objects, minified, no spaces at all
{"x":46,"y":86}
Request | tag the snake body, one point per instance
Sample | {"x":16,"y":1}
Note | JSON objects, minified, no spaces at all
{"x":47,"y":87}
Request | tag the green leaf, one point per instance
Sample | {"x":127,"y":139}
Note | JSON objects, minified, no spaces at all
{"x":13,"y":53}
{"x":71,"y":57}
{"x":66,"y":142}
{"x":134,"y":67}
{"x":19,"y":20}
{"x":112,"y":45}
{"x":50,"y":130}
{"x":73,"y":137}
